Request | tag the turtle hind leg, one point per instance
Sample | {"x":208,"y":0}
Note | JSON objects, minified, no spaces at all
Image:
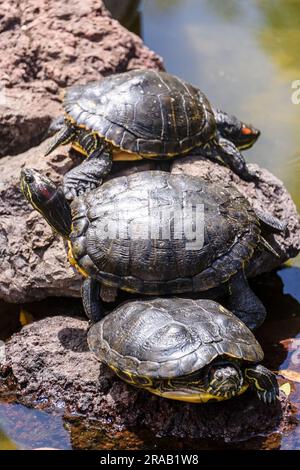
{"x":56,"y":125}
{"x":63,"y":136}
{"x":269,"y":221}
{"x":244,"y":303}
{"x":92,"y":304}
{"x":263,"y":382}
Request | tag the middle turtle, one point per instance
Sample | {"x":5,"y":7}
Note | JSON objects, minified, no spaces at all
{"x":140,"y":114}
{"x":155,"y":233}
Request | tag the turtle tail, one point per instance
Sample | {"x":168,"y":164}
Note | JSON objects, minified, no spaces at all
{"x":268,"y":247}
{"x":64,"y":136}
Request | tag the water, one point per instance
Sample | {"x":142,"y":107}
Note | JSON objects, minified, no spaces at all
{"x":244,"y":56}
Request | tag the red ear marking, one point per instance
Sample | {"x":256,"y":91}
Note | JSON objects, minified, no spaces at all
{"x":246,"y":131}
{"x":45,"y":192}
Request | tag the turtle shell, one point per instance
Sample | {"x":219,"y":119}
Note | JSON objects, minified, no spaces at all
{"x":134,"y":233}
{"x":144,"y":112}
{"x":171,"y":337}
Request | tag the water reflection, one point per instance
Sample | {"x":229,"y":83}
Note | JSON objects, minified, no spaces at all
{"x":279,"y":34}
{"x":25,"y":428}
{"x":126,"y":12}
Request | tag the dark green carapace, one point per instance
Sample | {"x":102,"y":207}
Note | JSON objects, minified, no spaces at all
{"x":183,"y":349}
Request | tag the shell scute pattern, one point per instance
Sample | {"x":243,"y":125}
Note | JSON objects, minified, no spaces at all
{"x":156,"y":264}
{"x":171,"y":337}
{"x":143,"y":112}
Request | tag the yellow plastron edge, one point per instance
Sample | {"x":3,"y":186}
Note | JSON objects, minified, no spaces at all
{"x":73,"y":261}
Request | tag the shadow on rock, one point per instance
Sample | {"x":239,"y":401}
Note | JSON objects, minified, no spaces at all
{"x":74,"y":339}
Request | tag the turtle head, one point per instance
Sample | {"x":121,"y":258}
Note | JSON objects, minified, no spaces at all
{"x":47,"y":198}
{"x":231,"y":128}
{"x":224,"y":379}
{"x":246,"y":136}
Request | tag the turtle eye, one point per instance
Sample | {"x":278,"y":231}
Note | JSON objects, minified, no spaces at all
{"x":29,"y":178}
{"x":218,"y":374}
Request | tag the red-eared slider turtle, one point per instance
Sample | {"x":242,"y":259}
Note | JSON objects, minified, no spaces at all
{"x":143,"y":114}
{"x":155,"y":233}
{"x":183,"y":349}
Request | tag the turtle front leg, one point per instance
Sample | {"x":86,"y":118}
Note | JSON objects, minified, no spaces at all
{"x":108,"y":293}
{"x":92,"y":304}
{"x":244,"y":303}
{"x":263,"y":382}
{"x":224,"y":150}
{"x":89,"y":174}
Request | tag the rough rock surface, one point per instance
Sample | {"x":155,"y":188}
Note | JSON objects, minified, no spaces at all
{"x":33,"y":258}
{"x":34,"y":264}
{"x":269,"y":195}
{"x":46,"y":45}
{"x":52,"y":367}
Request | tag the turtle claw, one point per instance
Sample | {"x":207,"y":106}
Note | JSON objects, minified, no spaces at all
{"x":272,"y":398}
{"x":251,"y":175}
{"x":263,"y":396}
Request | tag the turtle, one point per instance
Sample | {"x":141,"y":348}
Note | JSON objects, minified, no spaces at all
{"x":182,"y":349}
{"x":156,"y":233}
{"x":143,"y":114}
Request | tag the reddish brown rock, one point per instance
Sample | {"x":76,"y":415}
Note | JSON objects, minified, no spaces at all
{"x":46,"y":45}
{"x":51,"y":366}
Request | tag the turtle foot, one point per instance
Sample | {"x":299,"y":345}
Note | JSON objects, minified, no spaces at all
{"x":72,"y":192}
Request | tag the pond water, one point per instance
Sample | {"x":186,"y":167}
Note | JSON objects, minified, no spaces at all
{"x":244,"y":56}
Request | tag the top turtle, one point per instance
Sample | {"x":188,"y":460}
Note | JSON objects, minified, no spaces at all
{"x":142,"y":114}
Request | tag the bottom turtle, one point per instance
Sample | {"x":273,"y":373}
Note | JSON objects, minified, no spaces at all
{"x":182,"y":349}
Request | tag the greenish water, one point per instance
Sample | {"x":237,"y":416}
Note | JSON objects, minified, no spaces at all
{"x":244,"y":55}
